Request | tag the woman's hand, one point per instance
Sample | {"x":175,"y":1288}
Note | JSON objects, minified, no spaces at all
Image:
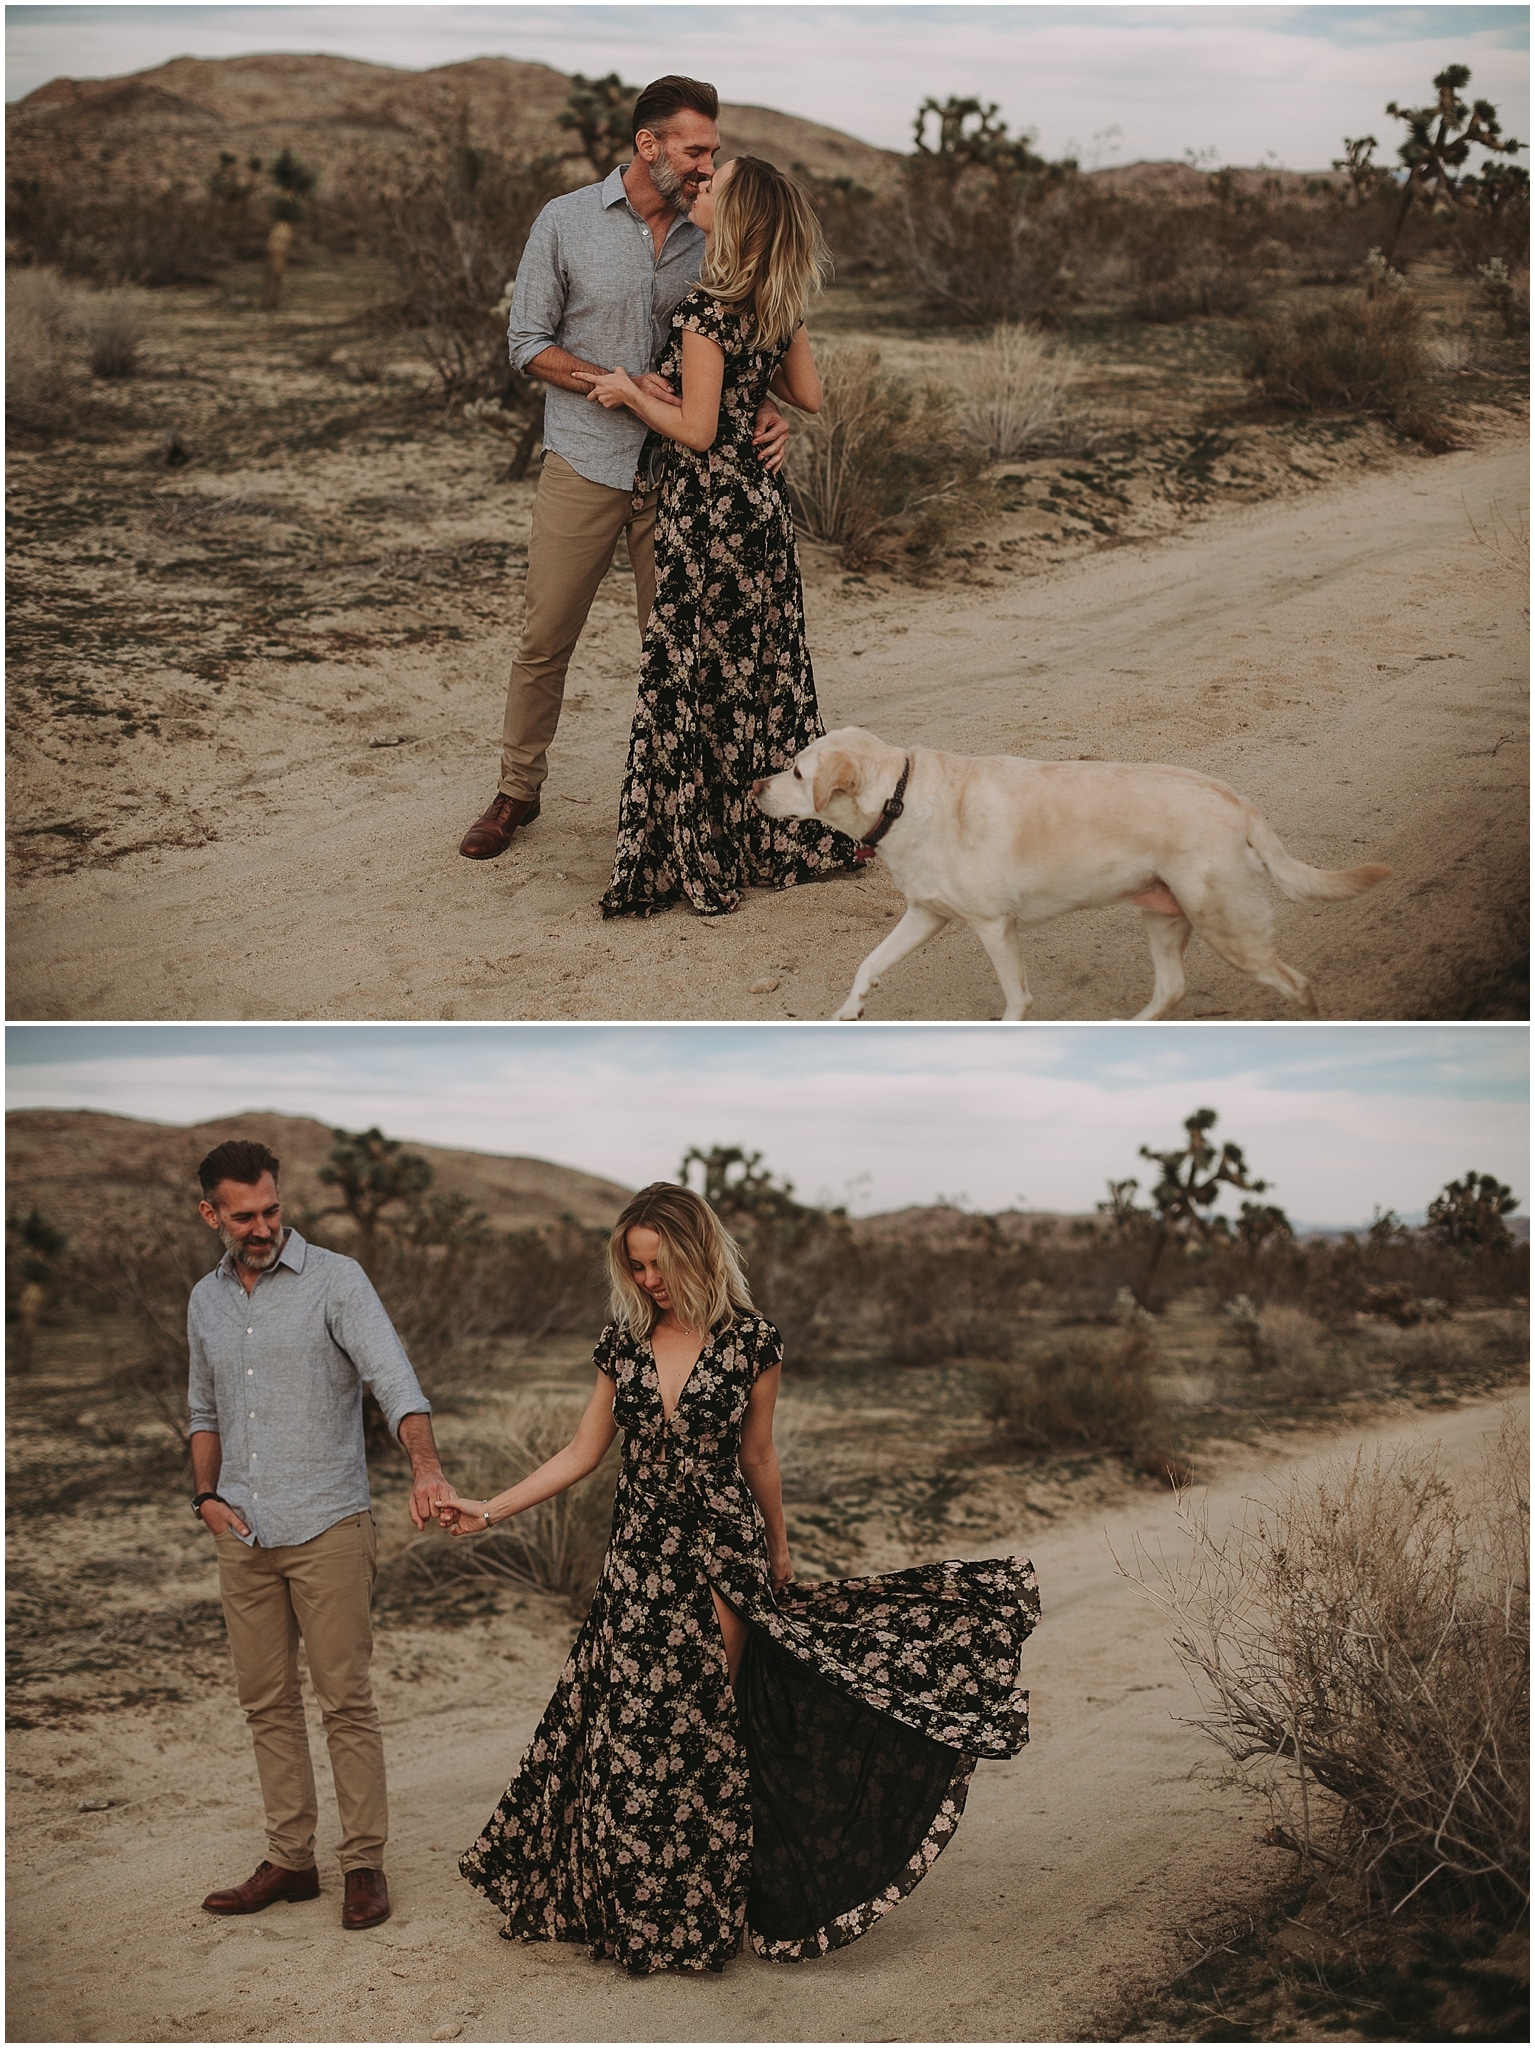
{"x":462,"y":1517}
{"x":781,"y":1571}
{"x":611,"y":388}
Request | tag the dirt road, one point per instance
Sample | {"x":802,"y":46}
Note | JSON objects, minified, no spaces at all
{"x":1352,"y":659}
{"x":1072,"y":1884}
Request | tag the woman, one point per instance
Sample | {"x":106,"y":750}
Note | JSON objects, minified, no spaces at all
{"x":726,"y":1748}
{"x":726,"y":690}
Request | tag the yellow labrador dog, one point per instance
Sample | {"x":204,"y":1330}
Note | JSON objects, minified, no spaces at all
{"x":1003,"y":844}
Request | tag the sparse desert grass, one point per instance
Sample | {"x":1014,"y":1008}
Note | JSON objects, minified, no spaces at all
{"x":112,"y":329}
{"x":881,"y":473}
{"x":41,"y":382}
{"x":1014,"y":392}
{"x":1363,"y":1636}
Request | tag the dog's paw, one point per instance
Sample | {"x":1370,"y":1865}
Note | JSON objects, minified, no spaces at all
{"x":848,"y":1014}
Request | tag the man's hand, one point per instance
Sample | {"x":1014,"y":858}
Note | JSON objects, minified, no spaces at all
{"x":770,"y":437}
{"x":429,"y":1489}
{"x":218,"y":1516}
{"x":654,"y":385}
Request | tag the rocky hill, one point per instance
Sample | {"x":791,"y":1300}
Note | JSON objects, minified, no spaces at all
{"x":171,"y":123}
{"x":89,"y":1172}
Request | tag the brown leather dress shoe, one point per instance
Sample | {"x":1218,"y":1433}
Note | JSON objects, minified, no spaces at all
{"x":268,"y":1883}
{"x":367,"y":1899}
{"x":492,"y":833}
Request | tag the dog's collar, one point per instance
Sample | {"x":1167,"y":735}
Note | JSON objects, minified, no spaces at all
{"x":895,"y":803}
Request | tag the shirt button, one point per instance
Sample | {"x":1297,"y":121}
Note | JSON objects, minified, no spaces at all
{"x":250,"y":1330}
{"x":250,"y":1372}
{"x":253,"y":1415}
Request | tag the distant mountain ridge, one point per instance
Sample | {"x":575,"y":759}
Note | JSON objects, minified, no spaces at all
{"x":89,"y":1171}
{"x":171,"y":122}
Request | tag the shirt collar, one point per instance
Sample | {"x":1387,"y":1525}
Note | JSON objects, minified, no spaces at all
{"x":292,"y":1254}
{"x":613,"y":186}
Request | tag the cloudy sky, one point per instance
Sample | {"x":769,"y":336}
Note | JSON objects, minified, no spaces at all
{"x":1109,"y":83}
{"x":1339,"y":1118}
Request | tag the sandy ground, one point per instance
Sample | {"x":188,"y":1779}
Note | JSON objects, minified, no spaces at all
{"x":1079,"y":1877}
{"x":1353,"y":660}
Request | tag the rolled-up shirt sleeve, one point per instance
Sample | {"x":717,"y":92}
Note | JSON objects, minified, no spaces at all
{"x":201,"y":1400}
{"x":360,"y":1325}
{"x":538,"y":299}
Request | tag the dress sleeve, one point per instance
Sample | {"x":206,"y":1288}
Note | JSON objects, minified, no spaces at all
{"x":706,"y":316}
{"x":767,"y":1349}
{"x":604,"y":1357}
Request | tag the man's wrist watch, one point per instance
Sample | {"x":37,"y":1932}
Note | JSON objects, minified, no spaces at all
{"x":198,"y":1499}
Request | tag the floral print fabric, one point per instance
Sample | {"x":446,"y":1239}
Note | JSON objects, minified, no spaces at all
{"x":726,"y":690}
{"x":629,"y":1823}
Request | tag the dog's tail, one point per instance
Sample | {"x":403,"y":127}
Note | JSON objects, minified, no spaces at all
{"x":1297,"y":880}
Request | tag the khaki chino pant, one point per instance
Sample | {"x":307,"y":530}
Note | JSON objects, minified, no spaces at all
{"x":576,"y":525}
{"x":321,"y":1591}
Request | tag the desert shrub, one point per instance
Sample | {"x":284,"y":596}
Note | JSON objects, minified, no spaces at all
{"x":882,"y":472}
{"x":117,"y":234}
{"x":41,"y":386}
{"x":1475,"y":1353}
{"x":1183,"y":260}
{"x":453,"y":234}
{"x":855,"y":221}
{"x":1082,"y":1394}
{"x":556,"y":1547}
{"x":1348,"y":354}
{"x":986,"y":245}
{"x":1365,"y":1631}
{"x":1013,"y":392}
{"x":112,"y":329}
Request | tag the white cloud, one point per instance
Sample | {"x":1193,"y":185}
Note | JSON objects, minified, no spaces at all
{"x":995,"y":1115}
{"x":1245,"y":82}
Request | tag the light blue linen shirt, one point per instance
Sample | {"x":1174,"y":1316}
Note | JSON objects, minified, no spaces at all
{"x":278,"y":1373}
{"x":590,"y":281}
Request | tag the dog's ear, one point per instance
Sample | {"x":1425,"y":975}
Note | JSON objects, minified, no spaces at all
{"x":833,"y":772}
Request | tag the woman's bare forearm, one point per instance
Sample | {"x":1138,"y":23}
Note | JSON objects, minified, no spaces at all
{"x":565,"y":1469}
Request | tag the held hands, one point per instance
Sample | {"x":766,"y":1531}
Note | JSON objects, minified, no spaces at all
{"x":610,"y":389}
{"x":427,"y":1495}
{"x":461,"y":1517}
{"x":614,"y":388}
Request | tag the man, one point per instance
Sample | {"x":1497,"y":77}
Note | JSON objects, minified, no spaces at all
{"x":603,"y":271}
{"x":283,"y":1336}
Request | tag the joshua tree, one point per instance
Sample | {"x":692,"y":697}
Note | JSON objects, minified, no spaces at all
{"x":1365,"y":176}
{"x":371,"y":1173}
{"x":1184,"y":1198}
{"x":1440,"y":138}
{"x":1467,"y":1215}
{"x":738,"y":1185}
{"x":600,"y":111}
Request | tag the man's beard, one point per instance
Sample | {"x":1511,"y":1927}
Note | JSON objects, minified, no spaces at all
{"x":254,"y":1258}
{"x":673,"y":188}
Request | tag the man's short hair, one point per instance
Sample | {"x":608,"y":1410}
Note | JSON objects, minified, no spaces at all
{"x":241,"y":1160}
{"x":666,"y":97}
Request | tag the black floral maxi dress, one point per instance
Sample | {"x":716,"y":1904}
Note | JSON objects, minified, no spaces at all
{"x":657,"y":1812}
{"x":726,"y":688}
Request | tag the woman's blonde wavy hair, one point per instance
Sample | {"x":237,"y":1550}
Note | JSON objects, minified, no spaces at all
{"x":766,"y":251}
{"x":697,"y":1258}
